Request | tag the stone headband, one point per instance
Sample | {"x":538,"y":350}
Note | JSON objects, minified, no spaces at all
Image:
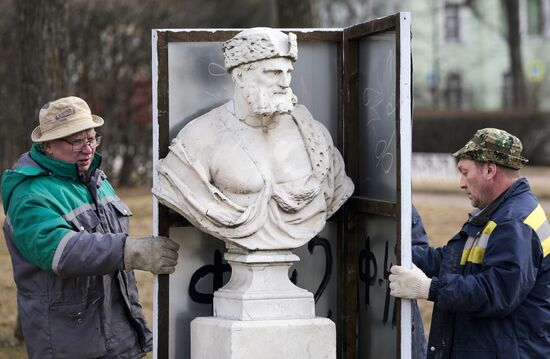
{"x":259,"y":44}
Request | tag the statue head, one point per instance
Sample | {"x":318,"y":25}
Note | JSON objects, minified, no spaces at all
{"x":258,"y":43}
{"x":260,"y":62}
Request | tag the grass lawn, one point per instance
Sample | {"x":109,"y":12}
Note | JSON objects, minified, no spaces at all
{"x":442,"y":216}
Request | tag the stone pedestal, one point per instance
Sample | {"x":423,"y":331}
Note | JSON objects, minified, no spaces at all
{"x":213,"y":338}
{"x":261,"y":313}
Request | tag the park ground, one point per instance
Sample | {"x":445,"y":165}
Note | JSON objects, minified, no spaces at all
{"x":440,"y":203}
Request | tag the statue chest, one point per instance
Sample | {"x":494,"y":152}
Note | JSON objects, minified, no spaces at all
{"x":245,"y":160}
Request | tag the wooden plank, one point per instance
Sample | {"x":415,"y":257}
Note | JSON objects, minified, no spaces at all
{"x":372,"y":27}
{"x":163,"y":230}
{"x":398,"y":166}
{"x":375,"y":207}
{"x":350,"y":244}
{"x":357,"y":207}
{"x":196,"y":35}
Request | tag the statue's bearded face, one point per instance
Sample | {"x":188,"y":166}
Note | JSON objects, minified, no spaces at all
{"x":266,"y":86}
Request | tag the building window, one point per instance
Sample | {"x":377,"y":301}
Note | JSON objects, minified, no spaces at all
{"x":535,"y":17}
{"x":454,"y":91}
{"x":545,"y":17}
{"x":452,"y":21}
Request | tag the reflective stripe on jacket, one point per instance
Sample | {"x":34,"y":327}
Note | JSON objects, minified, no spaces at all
{"x":491,"y":282}
{"x":66,"y":241}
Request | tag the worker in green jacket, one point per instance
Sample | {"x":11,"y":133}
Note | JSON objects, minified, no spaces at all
{"x":67,"y":234}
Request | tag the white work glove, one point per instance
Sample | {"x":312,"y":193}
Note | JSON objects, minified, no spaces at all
{"x":409,"y":283}
{"x":158,"y":255}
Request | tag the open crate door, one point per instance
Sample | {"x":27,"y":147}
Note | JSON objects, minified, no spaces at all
{"x":189,"y":80}
{"x":377,"y":151}
{"x":367,"y":112}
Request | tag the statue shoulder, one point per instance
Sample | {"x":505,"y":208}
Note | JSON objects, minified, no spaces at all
{"x":307,"y":122}
{"x":204,"y":129}
{"x":302,"y":112}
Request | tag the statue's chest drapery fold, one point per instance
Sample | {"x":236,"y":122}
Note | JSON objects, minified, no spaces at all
{"x":246,"y":159}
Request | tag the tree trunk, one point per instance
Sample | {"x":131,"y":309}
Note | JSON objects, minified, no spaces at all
{"x":9,"y":86}
{"x":293,"y":13}
{"x":514,"y":46}
{"x":43,"y":48}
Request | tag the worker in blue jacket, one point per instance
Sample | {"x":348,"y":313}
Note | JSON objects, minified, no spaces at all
{"x":491,"y":283}
{"x":418,"y":342}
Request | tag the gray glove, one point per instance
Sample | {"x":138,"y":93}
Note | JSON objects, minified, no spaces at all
{"x":158,"y":255}
{"x":409,"y":283}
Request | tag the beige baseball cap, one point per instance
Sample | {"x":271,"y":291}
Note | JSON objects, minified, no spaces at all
{"x":64,"y":117}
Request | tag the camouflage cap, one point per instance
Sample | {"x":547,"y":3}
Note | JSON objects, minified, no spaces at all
{"x":495,"y":146}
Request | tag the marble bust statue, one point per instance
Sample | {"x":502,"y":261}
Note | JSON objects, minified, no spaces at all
{"x":257,"y":172}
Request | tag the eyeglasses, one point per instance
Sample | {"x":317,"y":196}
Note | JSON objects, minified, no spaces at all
{"x":79,"y":144}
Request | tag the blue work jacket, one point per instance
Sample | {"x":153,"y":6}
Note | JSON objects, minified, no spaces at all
{"x":491,"y":282}
{"x":418,"y":340}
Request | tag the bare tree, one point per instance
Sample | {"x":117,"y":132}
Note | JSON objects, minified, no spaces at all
{"x":101,"y":51}
{"x":43,"y":46}
{"x":33,"y":68}
{"x":228,"y":13}
{"x":41,"y":33}
{"x":342,"y":13}
{"x":9,"y":86}
{"x":292,"y":13}
{"x":512,"y":35}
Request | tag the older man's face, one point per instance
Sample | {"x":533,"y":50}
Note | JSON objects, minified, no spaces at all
{"x":474,"y":182}
{"x":78,"y":148}
{"x":266,"y":86}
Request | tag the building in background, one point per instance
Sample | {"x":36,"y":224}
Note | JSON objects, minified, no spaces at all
{"x":462,"y":57}
{"x":461,"y":51}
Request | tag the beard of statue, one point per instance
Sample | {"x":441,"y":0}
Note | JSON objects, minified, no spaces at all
{"x":266,"y":101}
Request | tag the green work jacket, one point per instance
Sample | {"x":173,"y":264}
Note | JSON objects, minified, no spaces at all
{"x":66,"y":240}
